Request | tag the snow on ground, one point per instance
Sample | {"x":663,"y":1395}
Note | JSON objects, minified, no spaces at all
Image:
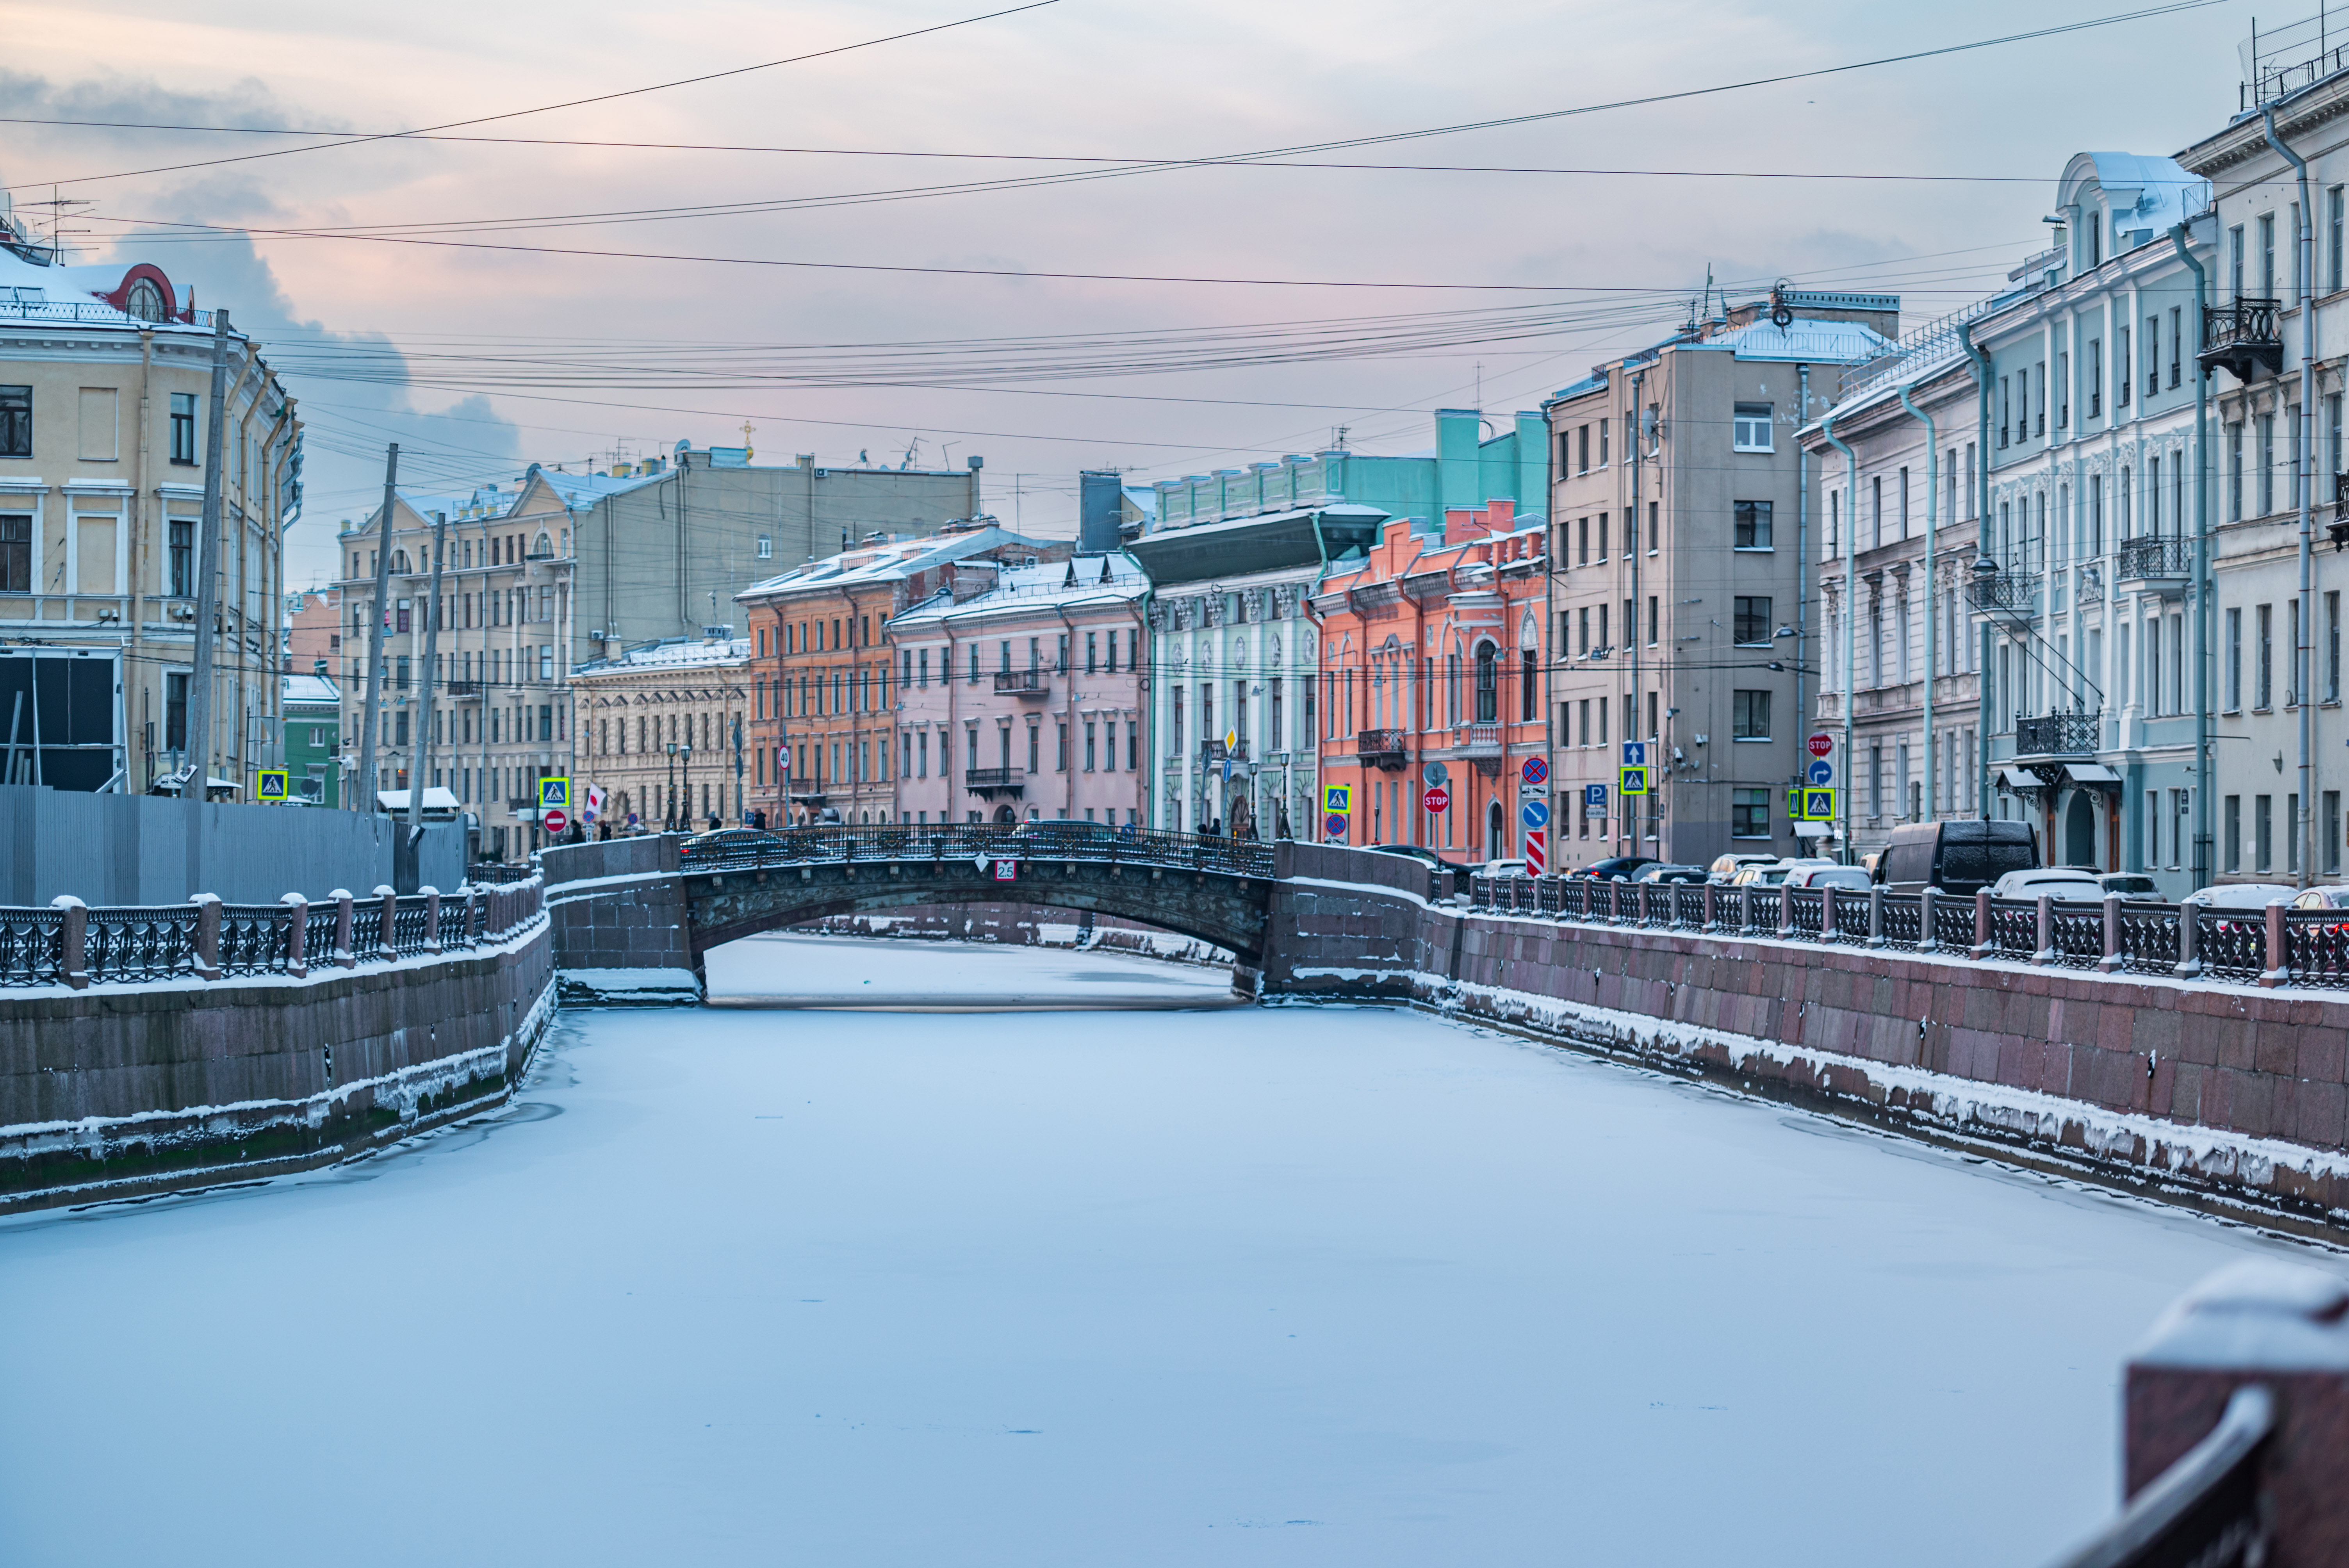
{"x":848,"y":971}
{"x":1285,"y":1286}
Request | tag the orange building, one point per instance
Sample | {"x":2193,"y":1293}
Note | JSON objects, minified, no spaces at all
{"x":1432,"y":653}
{"x":313,"y":630}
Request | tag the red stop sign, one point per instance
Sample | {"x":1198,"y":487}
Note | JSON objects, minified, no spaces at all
{"x":1822,"y":743}
{"x":556,"y":821}
{"x":1437,"y":799}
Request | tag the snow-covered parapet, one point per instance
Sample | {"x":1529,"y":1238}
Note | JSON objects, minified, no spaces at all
{"x":2260,"y":1315}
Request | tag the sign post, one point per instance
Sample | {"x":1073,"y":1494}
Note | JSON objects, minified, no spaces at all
{"x":1336,"y":811}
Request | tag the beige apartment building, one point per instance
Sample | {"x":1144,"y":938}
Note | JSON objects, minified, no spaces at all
{"x":661,"y":734}
{"x":105,"y":379}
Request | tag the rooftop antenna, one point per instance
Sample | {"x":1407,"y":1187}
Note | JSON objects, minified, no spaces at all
{"x":1338,"y":437}
{"x":747,"y":450}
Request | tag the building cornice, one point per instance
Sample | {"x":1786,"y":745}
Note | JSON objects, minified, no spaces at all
{"x":2247,"y":138}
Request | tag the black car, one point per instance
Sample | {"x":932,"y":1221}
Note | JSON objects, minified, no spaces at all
{"x":1659,"y":872}
{"x":1059,"y":835}
{"x":726,"y":843}
{"x":1616,"y":867}
{"x":1417,"y":852}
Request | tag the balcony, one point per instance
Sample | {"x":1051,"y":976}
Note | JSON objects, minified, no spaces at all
{"x":2158,"y":562}
{"x":1022,"y":683}
{"x":464,"y":691}
{"x":1484,"y":740}
{"x":1381,"y":748}
{"x":2242,"y":336}
{"x":2075,"y":735}
{"x":988,"y":782}
{"x":2014,"y":593}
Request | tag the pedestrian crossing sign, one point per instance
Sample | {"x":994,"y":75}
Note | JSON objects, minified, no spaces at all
{"x":1633,"y":781}
{"x":1338,"y":798}
{"x":270,"y":790}
{"x":555,"y":794}
{"x":1819,"y":805}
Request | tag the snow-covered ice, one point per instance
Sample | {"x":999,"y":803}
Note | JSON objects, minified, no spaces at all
{"x":1299,"y":1285}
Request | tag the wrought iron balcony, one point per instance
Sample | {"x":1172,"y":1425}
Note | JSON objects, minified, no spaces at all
{"x":2016,"y":593}
{"x":1022,"y":683}
{"x":2059,"y":735}
{"x":465,"y":691}
{"x":1381,"y":749}
{"x":2242,"y":336}
{"x":2155,"y":558}
{"x":986,"y":781}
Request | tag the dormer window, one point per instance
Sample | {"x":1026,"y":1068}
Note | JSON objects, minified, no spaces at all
{"x":144,"y":301}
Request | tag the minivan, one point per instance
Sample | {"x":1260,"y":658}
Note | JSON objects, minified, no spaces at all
{"x":1960,"y":858}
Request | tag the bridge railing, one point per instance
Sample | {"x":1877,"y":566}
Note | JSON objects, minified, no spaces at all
{"x":70,"y":943}
{"x":2274,"y":945}
{"x":1057,"y":841}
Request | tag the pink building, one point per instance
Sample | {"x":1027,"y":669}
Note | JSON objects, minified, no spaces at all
{"x":1025,"y":702}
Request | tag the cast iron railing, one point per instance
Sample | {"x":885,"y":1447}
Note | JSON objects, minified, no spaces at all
{"x":2059,"y":735}
{"x":749,"y":849}
{"x":2155,"y":555}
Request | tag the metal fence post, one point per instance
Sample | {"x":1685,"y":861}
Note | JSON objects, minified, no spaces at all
{"x":1828,"y":912}
{"x":345,"y":918}
{"x":1745,"y":911}
{"x":2279,"y":969}
{"x":1875,"y":915}
{"x":1614,"y":900}
{"x":1785,"y":912}
{"x":387,"y":946}
{"x":2189,"y":940}
{"x":1983,"y":947}
{"x":208,"y":925}
{"x":431,"y":918}
{"x":2044,"y":934}
{"x":1927,"y":942}
{"x":73,"y":945}
{"x":2112,"y":959}
{"x":297,"y":935}
{"x":1711,"y":908}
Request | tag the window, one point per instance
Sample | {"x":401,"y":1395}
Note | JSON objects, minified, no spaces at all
{"x":2267,"y":266}
{"x":1582,"y":447}
{"x":2177,"y":338}
{"x":1751,"y":525}
{"x":2234,"y":660}
{"x":1751,"y":621}
{"x":1749,"y":715}
{"x":1528,"y":686}
{"x":2333,"y":646}
{"x":1090,"y":752}
{"x":1751,"y":427}
{"x":2265,"y":616}
{"x":766,"y":547}
{"x":2267,"y":464}
{"x":1875,"y":511}
{"x":2231,"y":838}
{"x":2122,"y":372}
{"x":1488,"y":681}
{"x":1653,"y":625}
{"x":2262,"y":833}
{"x":16,"y":553}
{"x":183,"y":429}
{"x":2331,"y":858}
{"x":2235,"y":471}
{"x":2152,"y":355}
{"x":15,"y":421}
{"x":2095,"y":377}
{"x":1749,"y":813}
{"x":1062,"y":762}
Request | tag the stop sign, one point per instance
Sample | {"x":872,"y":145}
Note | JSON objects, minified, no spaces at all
{"x":556,"y":821}
{"x":1822,"y":743}
{"x":1437,"y":799}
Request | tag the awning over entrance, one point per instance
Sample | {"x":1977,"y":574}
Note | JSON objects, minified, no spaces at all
{"x":2016,"y":779}
{"x":2091,"y":773}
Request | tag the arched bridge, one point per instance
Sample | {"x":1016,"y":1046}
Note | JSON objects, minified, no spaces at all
{"x":637,"y":905}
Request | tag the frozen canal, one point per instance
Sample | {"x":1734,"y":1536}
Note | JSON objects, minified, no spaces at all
{"x":1288,"y":1285}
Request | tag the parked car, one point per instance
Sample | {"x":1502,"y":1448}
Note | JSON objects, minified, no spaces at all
{"x":1664,"y":871}
{"x":1055,"y":835}
{"x":725,"y":842}
{"x":1827,"y":876}
{"x":1500,"y":869}
{"x":2058,"y":882}
{"x":1615,"y":868}
{"x":1416,"y":853}
{"x":2334,"y":897}
{"x":2129,"y":884}
{"x":1725,"y":868}
{"x":2244,"y":895}
{"x":1768,"y":875}
{"x":1960,"y":858}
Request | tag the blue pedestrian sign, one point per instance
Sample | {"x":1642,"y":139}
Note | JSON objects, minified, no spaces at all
{"x":1534,"y":813}
{"x":1635,"y":754}
{"x":1822,"y":773}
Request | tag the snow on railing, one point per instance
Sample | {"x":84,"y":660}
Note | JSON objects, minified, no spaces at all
{"x":70,"y":943}
{"x":2276,"y":945}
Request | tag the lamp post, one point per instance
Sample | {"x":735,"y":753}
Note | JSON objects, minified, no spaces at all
{"x":668,"y":806}
{"x":685,"y":778}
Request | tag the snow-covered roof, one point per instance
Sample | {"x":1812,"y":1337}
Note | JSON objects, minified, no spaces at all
{"x":2142,"y":191}
{"x":311,"y":689}
{"x":1025,"y":590}
{"x":886,"y":562}
{"x":580,"y":491}
{"x":684,"y":653}
{"x":435,"y":798}
{"x":1817,"y":341}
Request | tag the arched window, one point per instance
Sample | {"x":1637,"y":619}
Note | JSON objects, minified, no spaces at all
{"x":1488,"y":684}
{"x":399,"y":561}
{"x":542,"y":545}
{"x":145,"y":301}
{"x":1529,"y":679}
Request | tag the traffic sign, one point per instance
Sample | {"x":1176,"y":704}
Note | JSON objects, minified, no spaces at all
{"x":1821,"y":773}
{"x":1337,"y":799}
{"x":1594,"y":794}
{"x":1819,"y":805}
{"x":1635,"y":754}
{"x":269,"y":788}
{"x":1006,"y":871}
{"x":1333,"y":825}
{"x":1437,"y":799}
{"x":1534,"y":813}
{"x":1435,"y":773}
{"x":1631,"y":780}
{"x":555,"y":794}
{"x":1536,"y":853}
{"x":1822,"y":743}
{"x":1535,"y":771}
{"x":555,"y":820}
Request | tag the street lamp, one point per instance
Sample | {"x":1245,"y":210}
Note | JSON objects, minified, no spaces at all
{"x":685,"y":778}
{"x":668,"y":815}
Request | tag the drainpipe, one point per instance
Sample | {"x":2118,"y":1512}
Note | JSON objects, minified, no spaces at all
{"x":1980,"y":484}
{"x":1850,"y":619}
{"x":1069,"y":719}
{"x":2205,"y":781}
{"x":2305,"y":243}
{"x":1631,"y":631}
{"x":1932,"y":610}
{"x":1801,"y":547}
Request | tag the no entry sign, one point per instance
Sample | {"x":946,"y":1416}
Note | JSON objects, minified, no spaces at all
{"x":556,"y":821}
{"x":1436,"y":799}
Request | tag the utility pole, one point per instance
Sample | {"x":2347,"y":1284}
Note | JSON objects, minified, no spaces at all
{"x":199,"y":695}
{"x":373,"y":676}
{"x":410,"y":871}
{"x":739,"y":819}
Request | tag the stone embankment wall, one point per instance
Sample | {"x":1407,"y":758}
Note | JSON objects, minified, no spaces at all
{"x":620,"y":924}
{"x":116,"y":1090}
{"x":2222,"y":1094}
